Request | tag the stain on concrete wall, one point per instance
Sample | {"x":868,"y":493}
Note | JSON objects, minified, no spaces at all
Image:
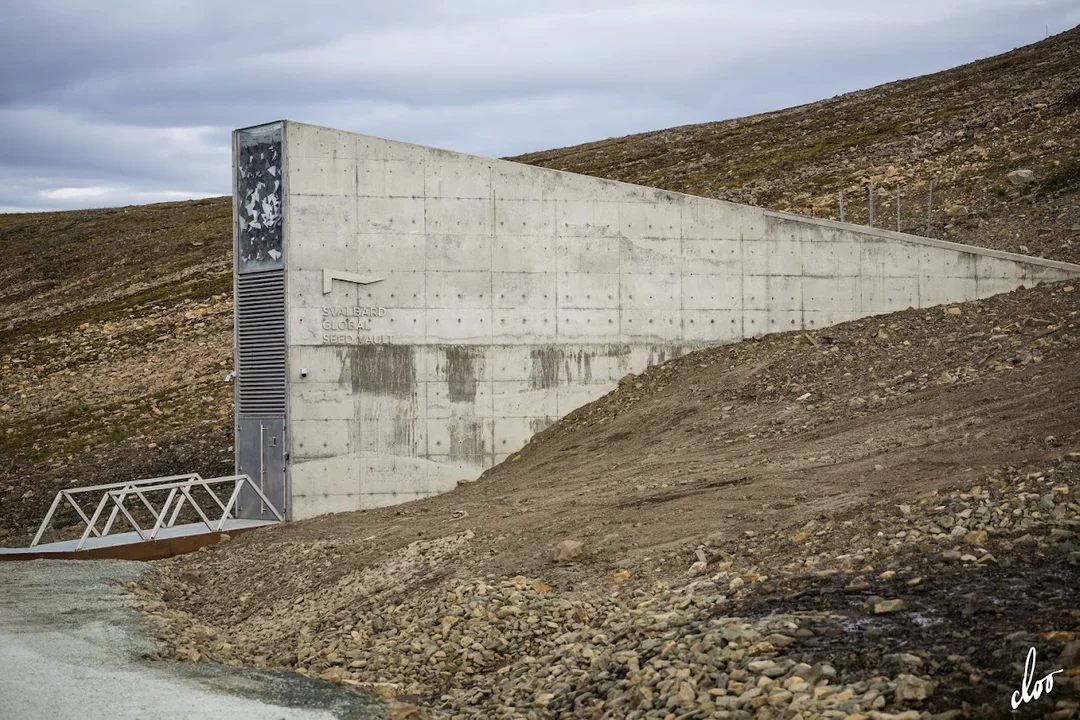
{"x":585,"y":367}
{"x":659,"y":354}
{"x":380,"y":369}
{"x":467,"y":442}
{"x":540,"y":424}
{"x":544,"y":372}
{"x":464,"y":367}
{"x":577,"y":368}
{"x":403,"y":440}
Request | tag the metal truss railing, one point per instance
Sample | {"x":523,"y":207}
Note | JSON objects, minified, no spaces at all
{"x":179,"y":489}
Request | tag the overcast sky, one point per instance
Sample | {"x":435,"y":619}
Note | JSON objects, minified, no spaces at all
{"x":118,"y":102}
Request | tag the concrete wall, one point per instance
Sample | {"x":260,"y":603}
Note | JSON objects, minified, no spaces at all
{"x":501,"y":296}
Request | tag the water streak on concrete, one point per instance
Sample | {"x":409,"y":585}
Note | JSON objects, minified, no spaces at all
{"x":467,"y":441}
{"x":544,"y":373}
{"x":380,"y":369}
{"x":464,"y":366}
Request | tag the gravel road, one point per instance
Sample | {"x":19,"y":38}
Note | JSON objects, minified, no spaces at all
{"x":71,"y":645}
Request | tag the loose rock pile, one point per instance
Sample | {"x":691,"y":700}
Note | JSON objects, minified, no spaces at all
{"x":864,"y":617}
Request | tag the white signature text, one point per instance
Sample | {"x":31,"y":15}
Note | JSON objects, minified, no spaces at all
{"x":1033,"y":691}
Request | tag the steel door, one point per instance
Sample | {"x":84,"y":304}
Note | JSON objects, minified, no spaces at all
{"x":261,"y":455}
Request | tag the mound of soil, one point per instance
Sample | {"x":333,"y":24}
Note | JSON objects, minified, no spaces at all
{"x":792,"y":488}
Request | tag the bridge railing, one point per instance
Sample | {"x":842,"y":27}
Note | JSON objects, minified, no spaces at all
{"x":178,"y":494}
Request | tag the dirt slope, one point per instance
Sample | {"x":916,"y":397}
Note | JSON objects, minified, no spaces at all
{"x":932,"y":398}
{"x":115,"y":325}
{"x":115,"y":338}
{"x":966,"y":128}
{"x":773,"y":471}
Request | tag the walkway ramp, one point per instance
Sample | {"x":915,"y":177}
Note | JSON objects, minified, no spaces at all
{"x":159,"y":523}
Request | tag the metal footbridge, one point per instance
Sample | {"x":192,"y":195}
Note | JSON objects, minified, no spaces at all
{"x":159,"y":525}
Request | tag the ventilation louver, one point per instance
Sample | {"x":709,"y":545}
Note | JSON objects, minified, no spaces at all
{"x":260,"y":343}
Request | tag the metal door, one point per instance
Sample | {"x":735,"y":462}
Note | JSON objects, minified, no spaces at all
{"x":261,"y":455}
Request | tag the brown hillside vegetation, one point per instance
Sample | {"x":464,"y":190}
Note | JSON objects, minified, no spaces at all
{"x":966,"y":128}
{"x":115,"y":324}
{"x":90,"y":300}
{"x":115,"y":338}
{"x":874,"y":520}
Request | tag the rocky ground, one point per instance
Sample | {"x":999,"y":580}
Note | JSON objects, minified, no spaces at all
{"x":108,"y":401}
{"x":747,"y":531}
{"x":115,"y":339}
{"x":920,"y":610}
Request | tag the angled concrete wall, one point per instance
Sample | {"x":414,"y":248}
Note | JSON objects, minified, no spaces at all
{"x":501,"y":296}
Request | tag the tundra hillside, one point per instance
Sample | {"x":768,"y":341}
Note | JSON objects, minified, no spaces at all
{"x":873,"y":521}
{"x":115,"y":325}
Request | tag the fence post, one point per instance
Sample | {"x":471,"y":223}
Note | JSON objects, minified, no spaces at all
{"x":899,"y":188}
{"x":930,"y":207}
{"x":841,"y":206}
{"x":870,"y":189}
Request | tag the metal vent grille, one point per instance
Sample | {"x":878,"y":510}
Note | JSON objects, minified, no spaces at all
{"x":260,"y":343}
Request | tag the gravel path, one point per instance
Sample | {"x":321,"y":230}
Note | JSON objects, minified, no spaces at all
{"x":71,"y":645}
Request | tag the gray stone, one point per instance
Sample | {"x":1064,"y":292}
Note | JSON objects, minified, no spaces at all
{"x":1069,"y":654}
{"x":857,"y":585}
{"x":1021,"y":177}
{"x":888,"y":606}
{"x":569,"y":551}
{"x":910,"y":687}
{"x":780,"y":641}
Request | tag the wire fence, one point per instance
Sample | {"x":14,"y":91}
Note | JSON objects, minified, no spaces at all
{"x":915,"y":209}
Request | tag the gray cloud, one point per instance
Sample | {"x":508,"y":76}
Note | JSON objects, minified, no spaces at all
{"x":135,"y":103}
